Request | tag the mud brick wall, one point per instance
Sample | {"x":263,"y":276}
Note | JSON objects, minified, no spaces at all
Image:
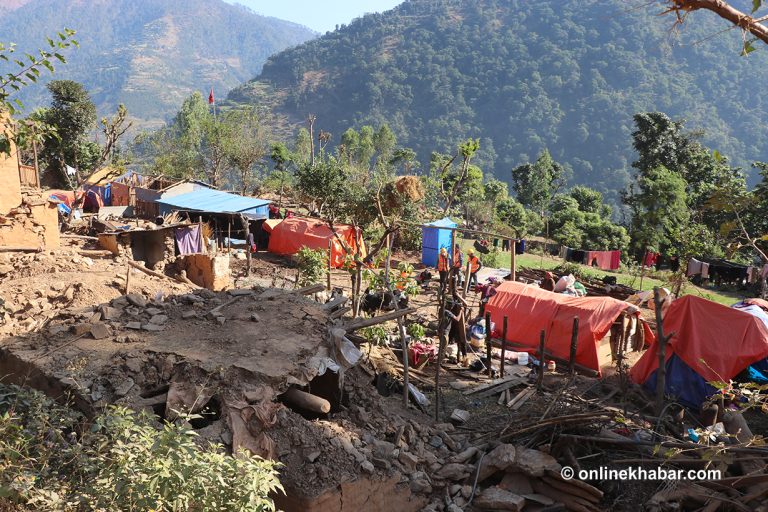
{"x":31,"y":225}
{"x":210,"y":272}
{"x":10,"y":191}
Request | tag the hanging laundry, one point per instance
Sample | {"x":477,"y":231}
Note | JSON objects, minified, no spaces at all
{"x":519,"y":246}
{"x":705,"y":270}
{"x":188,"y":239}
{"x":650,"y":258}
{"x":694,"y":267}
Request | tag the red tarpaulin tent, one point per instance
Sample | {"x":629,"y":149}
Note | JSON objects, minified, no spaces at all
{"x":716,"y":341}
{"x":530,"y":310}
{"x":290,"y":235}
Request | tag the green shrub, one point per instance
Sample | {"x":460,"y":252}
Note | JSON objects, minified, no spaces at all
{"x":493,"y":258}
{"x":122,"y":463}
{"x":416,"y":331}
{"x":313,"y":264}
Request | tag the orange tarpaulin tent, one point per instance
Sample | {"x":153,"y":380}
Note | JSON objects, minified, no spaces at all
{"x":530,"y":310}
{"x":292,"y":234}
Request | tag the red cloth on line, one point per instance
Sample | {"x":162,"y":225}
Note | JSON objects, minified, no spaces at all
{"x":210,"y":97}
{"x":605,"y":260}
{"x":651,"y":258}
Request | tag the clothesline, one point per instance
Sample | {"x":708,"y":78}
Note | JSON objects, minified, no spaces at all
{"x":604,"y":260}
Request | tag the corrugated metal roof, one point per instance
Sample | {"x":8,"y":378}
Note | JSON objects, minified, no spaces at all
{"x":216,"y":201}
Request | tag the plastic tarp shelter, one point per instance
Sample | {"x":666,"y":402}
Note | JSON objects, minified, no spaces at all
{"x":434,"y":238}
{"x":711,"y":342}
{"x":216,"y":201}
{"x":531,"y":309}
{"x":290,"y":235}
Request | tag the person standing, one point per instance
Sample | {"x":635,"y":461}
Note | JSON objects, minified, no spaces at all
{"x":443,"y":267}
{"x":458,"y":264}
{"x":474,"y":267}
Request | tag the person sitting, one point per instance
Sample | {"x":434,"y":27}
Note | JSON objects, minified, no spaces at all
{"x":549,"y":282}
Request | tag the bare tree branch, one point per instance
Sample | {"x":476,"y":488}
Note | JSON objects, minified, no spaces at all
{"x":744,"y":21}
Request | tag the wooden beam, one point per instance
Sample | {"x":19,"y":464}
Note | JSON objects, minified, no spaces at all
{"x":360,"y":323}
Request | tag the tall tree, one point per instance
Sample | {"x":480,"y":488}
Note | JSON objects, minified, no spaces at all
{"x":659,"y":209}
{"x":249,"y":143}
{"x":73,"y":114}
{"x":535,"y":184}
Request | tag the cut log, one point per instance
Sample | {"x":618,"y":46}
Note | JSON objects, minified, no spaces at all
{"x":307,"y":401}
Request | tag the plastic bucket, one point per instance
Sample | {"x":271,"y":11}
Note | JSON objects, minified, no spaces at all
{"x":522,"y":358}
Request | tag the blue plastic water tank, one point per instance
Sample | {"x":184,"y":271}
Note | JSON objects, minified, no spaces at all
{"x":433,"y":239}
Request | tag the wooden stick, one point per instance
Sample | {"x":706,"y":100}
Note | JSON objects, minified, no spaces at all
{"x":661,"y":372}
{"x":513,"y":262}
{"x":360,"y":323}
{"x":440,"y":351}
{"x":574,"y":344}
{"x":488,"y":347}
{"x":79,"y":237}
{"x":540,"y":376}
{"x":20,"y":249}
{"x":229,"y":235}
{"x":561,"y":420}
{"x":330,"y":255}
{"x":503,"y":346}
{"x":128,"y":280}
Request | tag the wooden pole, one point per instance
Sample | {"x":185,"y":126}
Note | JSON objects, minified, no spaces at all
{"x":503,"y":347}
{"x":330,"y":256}
{"x":574,"y":344}
{"x":203,"y":248}
{"x":466,"y":281}
{"x":229,"y":236}
{"x":247,"y":229}
{"x":540,"y":376}
{"x":488,"y":345}
{"x":513,"y":263}
{"x":451,"y":273}
{"x":128,"y":280}
{"x":440,"y":351}
{"x":661,"y":372}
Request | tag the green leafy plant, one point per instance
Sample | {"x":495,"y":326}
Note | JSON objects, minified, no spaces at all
{"x":312,"y":265}
{"x":123,"y":462}
{"x":416,"y":331}
{"x":493,"y":258}
{"x":376,"y":335}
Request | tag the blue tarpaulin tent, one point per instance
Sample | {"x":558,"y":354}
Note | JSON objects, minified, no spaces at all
{"x":216,"y":201}
{"x":434,"y":238}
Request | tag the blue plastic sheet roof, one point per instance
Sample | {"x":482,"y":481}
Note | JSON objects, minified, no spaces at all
{"x":215,"y":201}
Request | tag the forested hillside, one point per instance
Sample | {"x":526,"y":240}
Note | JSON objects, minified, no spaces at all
{"x":567,"y":75}
{"x":151,"y":54}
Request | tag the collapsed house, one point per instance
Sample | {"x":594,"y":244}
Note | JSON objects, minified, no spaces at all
{"x":28,"y":220}
{"x":531,"y":310}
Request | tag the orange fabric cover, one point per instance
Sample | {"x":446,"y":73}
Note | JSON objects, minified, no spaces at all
{"x":728,"y":340}
{"x":292,"y":234}
{"x":531,"y":309}
{"x":270,"y":224}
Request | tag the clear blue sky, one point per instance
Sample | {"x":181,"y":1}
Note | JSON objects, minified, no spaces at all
{"x":318,"y":15}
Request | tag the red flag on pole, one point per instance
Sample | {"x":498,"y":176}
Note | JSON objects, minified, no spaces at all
{"x":210,"y":97}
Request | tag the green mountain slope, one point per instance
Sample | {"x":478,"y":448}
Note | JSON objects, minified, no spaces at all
{"x":151,"y":54}
{"x":524,"y":75}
